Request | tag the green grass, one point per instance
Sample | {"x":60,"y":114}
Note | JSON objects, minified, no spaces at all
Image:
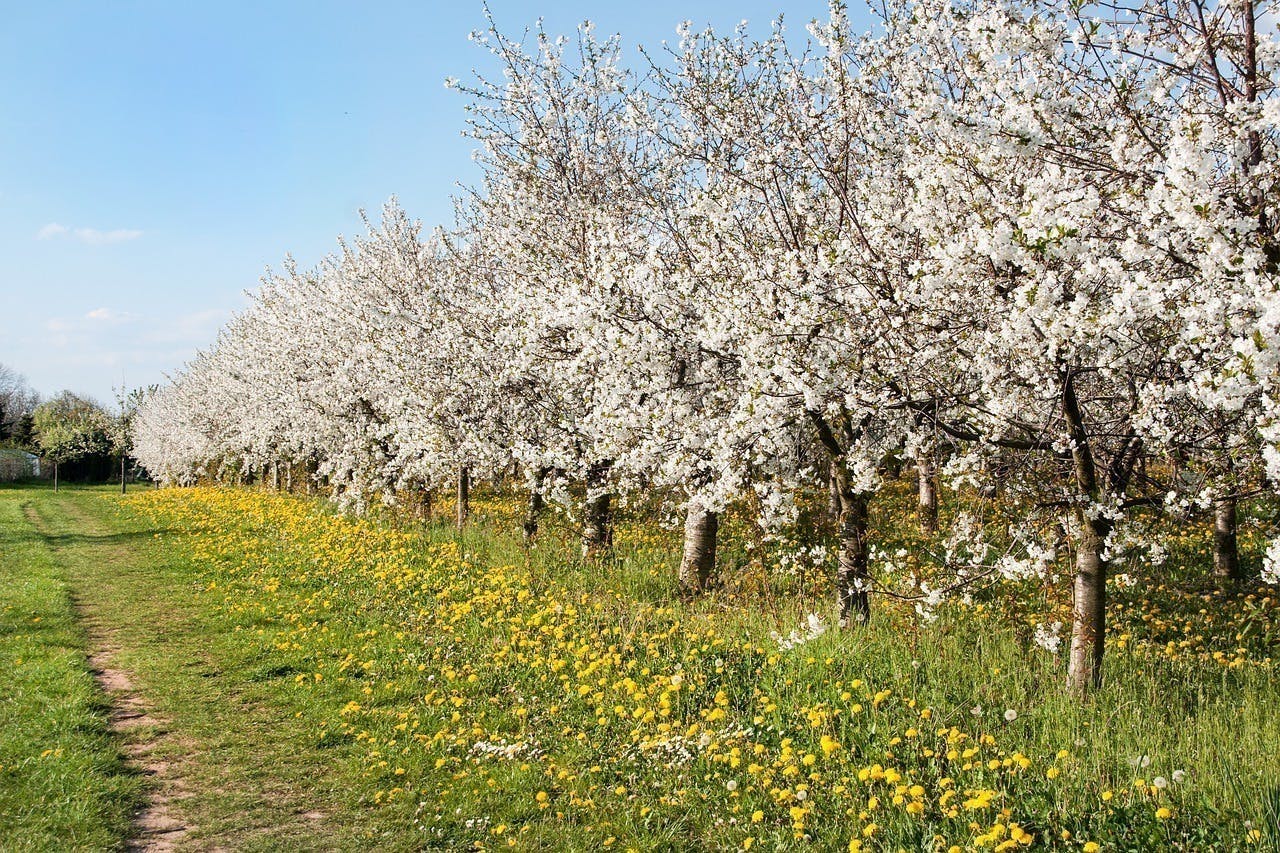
{"x":62,"y":785}
{"x":325,"y":683}
{"x":249,"y":775}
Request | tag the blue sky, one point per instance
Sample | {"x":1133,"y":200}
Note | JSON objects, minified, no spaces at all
{"x":156,"y":157}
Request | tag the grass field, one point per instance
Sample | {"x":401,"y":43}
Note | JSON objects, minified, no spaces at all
{"x":336,"y":683}
{"x":62,"y":784}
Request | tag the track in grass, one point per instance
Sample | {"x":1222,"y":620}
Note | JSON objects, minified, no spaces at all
{"x":154,"y":826}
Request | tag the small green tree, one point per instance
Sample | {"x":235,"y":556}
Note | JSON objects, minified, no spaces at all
{"x":69,"y":427}
{"x":120,"y":427}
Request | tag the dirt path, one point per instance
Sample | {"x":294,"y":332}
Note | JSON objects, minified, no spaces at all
{"x":155,"y":826}
{"x":230,"y":753}
{"x":141,"y":734}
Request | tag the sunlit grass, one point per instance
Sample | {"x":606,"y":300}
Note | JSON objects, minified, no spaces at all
{"x":498,"y":697}
{"x":62,"y":784}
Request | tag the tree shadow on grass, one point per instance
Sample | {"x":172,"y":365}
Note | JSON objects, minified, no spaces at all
{"x":30,"y":536}
{"x":68,"y":540}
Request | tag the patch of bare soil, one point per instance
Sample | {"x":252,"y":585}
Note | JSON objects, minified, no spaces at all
{"x":155,"y":825}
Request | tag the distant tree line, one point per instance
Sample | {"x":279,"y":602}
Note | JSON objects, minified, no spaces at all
{"x":17,"y":404}
{"x":78,"y":438}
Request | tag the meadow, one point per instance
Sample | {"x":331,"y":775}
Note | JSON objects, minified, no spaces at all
{"x":376,"y":683}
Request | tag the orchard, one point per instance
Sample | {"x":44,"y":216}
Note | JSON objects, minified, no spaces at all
{"x":970,"y":320}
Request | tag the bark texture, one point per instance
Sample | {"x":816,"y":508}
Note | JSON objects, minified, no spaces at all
{"x":853,"y":581}
{"x":1088,"y":614}
{"x":927,"y":478}
{"x":696,"y":567}
{"x":597,"y":522}
{"x":537,"y":503}
{"x":1226,"y":547}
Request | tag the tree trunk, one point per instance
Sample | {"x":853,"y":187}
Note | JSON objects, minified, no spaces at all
{"x":1088,"y":614}
{"x":597,"y":527}
{"x":122,"y":488}
{"x":853,"y":581}
{"x":1089,"y":606}
{"x":536,"y":505}
{"x":928,"y":482}
{"x":427,"y":506}
{"x":55,"y":475}
{"x":1226,"y":550}
{"x":464,"y":496}
{"x":700,"y":529}
{"x":833,"y":492}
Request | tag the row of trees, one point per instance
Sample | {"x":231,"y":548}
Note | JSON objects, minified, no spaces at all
{"x":1021,"y":246}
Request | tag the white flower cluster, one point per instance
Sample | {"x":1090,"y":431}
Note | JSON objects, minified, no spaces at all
{"x":1271,"y":564}
{"x":1048,"y":636}
{"x":505,"y":751}
{"x":811,"y":630}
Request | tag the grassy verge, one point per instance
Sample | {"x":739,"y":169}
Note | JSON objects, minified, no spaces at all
{"x":487,"y":697}
{"x":249,"y":776}
{"x":62,"y":785}
{"x":338,"y":683}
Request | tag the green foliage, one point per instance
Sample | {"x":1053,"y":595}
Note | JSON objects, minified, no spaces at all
{"x":69,"y":427}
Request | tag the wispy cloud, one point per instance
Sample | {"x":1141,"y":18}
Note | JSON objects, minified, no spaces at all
{"x":89,"y":236}
{"x":66,"y":332}
{"x":94,"y":237}
{"x":91,"y":346}
{"x":106,"y":315}
{"x":195,"y":329}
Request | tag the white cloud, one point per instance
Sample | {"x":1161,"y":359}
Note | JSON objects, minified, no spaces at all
{"x":88,"y":349}
{"x":106,"y":315}
{"x":89,"y":236}
{"x":78,"y":331}
{"x":94,"y":237}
